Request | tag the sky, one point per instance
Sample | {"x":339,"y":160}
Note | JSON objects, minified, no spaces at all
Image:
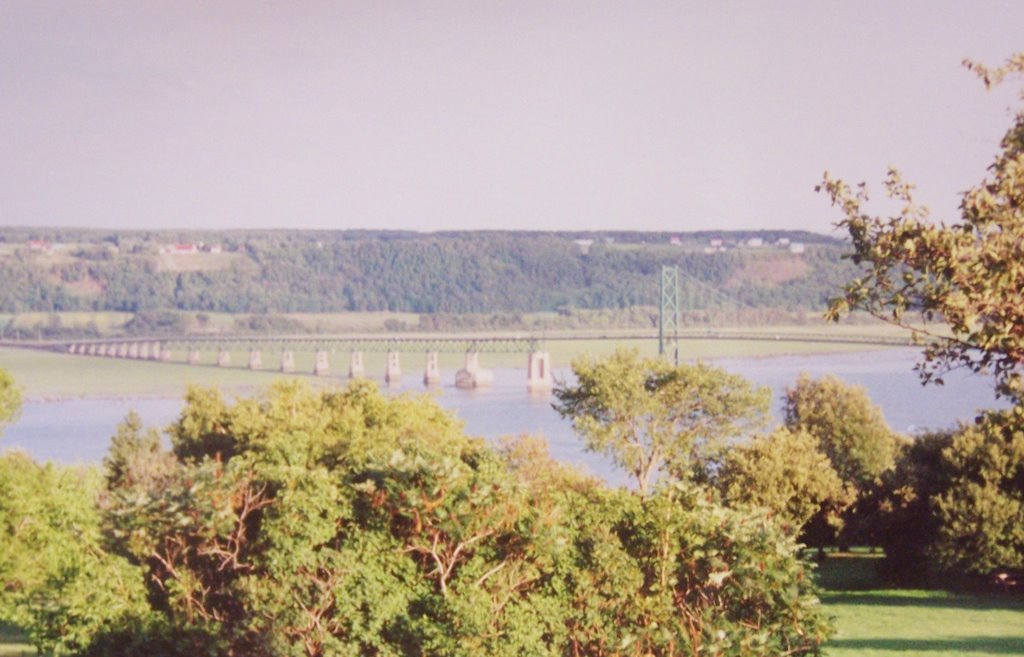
{"x":551,"y":115}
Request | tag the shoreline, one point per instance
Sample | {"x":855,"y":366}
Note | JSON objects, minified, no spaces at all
{"x":249,"y":389}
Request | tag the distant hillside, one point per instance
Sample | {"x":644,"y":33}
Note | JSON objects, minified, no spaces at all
{"x":452,"y":272}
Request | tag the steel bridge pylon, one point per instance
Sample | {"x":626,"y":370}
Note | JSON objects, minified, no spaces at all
{"x":668,"y":315}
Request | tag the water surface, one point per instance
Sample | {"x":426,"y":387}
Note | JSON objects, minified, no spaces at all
{"x":79,"y":430}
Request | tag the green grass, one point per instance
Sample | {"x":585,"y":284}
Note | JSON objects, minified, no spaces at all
{"x":878,"y":622}
{"x":53,"y":375}
{"x":13,"y":644}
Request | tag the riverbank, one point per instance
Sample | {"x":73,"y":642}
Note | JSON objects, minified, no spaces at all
{"x":49,"y":376}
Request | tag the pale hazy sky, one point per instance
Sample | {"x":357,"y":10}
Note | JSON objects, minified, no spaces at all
{"x":679,"y":115}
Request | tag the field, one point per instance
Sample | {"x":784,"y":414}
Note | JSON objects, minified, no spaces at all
{"x":27,"y":323}
{"x":878,"y":622}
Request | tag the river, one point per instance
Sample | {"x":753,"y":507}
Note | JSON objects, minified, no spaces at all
{"x":79,"y":430}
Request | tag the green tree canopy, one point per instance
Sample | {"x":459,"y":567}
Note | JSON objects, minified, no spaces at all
{"x":648,"y":415}
{"x":304,"y":523}
{"x":58,"y":582}
{"x":786,"y":473}
{"x":849,"y":428}
{"x":981,"y":514}
{"x":963,"y":279}
{"x":10,"y":399}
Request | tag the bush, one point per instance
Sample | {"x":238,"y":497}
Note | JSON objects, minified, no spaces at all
{"x":311,"y":523}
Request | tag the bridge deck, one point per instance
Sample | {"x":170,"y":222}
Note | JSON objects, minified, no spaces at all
{"x":423,"y":342}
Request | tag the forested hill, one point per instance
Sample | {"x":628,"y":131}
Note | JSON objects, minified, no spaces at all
{"x":457,"y":272}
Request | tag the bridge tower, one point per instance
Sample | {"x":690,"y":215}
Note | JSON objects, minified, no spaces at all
{"x":668,"y":315}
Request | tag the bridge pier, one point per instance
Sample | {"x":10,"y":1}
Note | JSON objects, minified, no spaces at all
{"x":223,"y":358}
{"x":355,"y":365}
{"x":287,"y":361}
{"x":321,"y":366}
{"x":165,"y":354}
{"x":133,"y":350}
{"x":538,"y":371}
{"x":472,"y":375}
{"x":91,"y":350}
{"x":432,"y":372}
{"x":142,"y":351}
{"x":193,"y":356}
{"x":122,"y":350}
{"x":393,"y":372}
{"x":255,"y":359}
{"x":73,"y":349}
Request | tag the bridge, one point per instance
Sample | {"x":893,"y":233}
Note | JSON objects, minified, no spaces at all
{"x":191,"y":348}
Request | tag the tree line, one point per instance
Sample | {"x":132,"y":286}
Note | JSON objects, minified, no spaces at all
{"x":471,"y":272}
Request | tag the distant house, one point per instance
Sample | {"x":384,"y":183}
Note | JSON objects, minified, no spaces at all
{"x":38,"y":245}
{"x":584,"y":245}
{"x":216,"y":248}
{"x":796,"y":247}
{"x":755,"y":242}
{"x":710,"y":249}
{"x":782,"y":241}
{"x":184,"y":248}
{"x":715,"y":243}
{"x":675,"y":241}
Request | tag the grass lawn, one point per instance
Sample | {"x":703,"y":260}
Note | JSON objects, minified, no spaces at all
{"x":12,"y":643}
{"x":879,"y":622}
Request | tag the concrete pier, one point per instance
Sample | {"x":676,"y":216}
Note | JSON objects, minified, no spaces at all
{"x":142,"y":351}
{"x":193,"y":356}
{"x":224,"y":358}
{"x":538,"y":371}
{"x":255,"y":359}
{"x":393,"y":372}
{"x":165,"y":354}
{"x":122,"y":351}
{"x":93,"y":349}
{"x":321,"y":366}
{"x":287,"y":361}
{"x":355,"y":365}
{"x":472,"y":375}
{"x":133,"y":350}
{"x":156,"y":351}
{"x":432,"y":371}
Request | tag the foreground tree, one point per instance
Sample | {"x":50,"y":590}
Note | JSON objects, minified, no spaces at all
{"x":849,"y":428}
{"x":10,"y":399}
{"x":56,"y":580}
{"x":907,"y":516}
{"x":648,"y":415}
{"x":785,"y":473}
{"x":964,"y":281}
{"x":304,"y":523}
{"x":981,"y":514}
